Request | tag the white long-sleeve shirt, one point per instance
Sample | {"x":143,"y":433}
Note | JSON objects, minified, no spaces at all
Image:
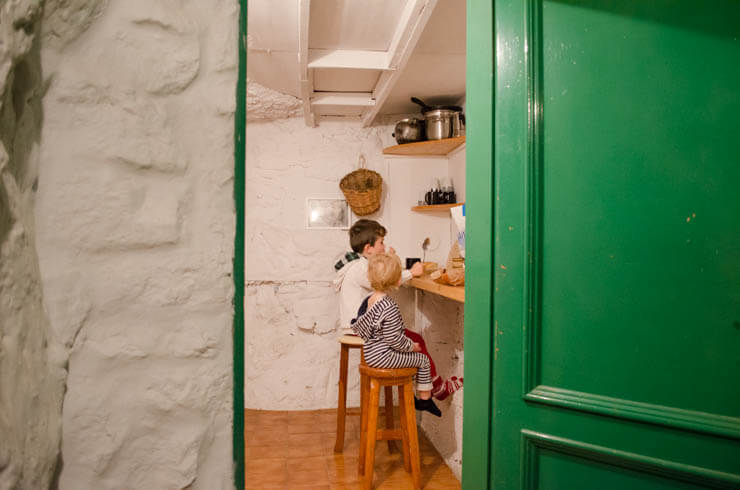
{"x":354,"y":286}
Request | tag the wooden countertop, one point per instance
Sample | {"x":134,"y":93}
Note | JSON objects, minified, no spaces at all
{"x":456,"y":293}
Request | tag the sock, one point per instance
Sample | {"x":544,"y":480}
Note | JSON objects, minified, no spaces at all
{"x":436,"y":383}
{"x":428,"y":406}
{"x":447,"y":388}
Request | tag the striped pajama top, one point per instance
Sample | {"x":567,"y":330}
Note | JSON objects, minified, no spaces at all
{"x":386,"y":344}
{"x":382,"y":329}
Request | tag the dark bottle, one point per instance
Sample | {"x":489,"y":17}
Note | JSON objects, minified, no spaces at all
{"x":450,"y":194}
{"x":438,"y":197}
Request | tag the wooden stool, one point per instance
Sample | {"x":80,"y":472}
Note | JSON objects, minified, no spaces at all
{"x":371,"y":381}
{"x":348,"y":342}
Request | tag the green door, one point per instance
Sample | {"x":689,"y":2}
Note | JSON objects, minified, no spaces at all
{"x":615,"y":235}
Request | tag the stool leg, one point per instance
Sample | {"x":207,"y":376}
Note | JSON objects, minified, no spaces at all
{"x":389,"y":415}
{"x":342,"y":402}
{"x":404,"y":430}
{"x":364,"y":388}
{"x":413,"y":435}
{"x":372,"y":433}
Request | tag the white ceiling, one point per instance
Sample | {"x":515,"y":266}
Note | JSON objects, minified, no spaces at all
{"x":358,"y":58}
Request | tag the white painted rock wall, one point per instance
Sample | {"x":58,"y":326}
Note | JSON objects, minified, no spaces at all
{"x":32,"y":363}
{"x":135,"y":223}
{"x":292,"y":313}
{"x":440,"y":322}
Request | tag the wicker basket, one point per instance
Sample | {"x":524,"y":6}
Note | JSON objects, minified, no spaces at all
{"x":362,"y":188}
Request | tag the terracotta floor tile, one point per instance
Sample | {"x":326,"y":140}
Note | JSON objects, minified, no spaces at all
{"x":316,"y":476}
{"x":313,"y":427}
{"x":307,"y":464}
{"x":266,"y":467}
{"x":266,"y":437}
{"x":252,"y":485}
{"x":255,"y":453}
{"x":345,"y":486}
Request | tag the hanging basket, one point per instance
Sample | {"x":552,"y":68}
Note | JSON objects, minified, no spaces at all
{"x":362,"y":189}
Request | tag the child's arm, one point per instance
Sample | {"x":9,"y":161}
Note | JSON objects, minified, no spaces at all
{"x":393,"y":331}
{"x":363,"y":326}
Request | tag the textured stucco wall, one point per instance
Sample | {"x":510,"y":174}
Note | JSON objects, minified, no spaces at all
{"x":292,"y":353}
{"x":32,"y":363}
{"x":440,"y":321}
{"x":135,"y":223}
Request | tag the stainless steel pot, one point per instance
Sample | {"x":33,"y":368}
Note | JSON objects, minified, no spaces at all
{"x":458,"y":124}
{"x":439,"y":124}
{"x":442,"y":121}
{"x":409,"y":130}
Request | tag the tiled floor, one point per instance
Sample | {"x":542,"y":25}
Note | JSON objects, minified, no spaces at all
{"x":292,"y":450}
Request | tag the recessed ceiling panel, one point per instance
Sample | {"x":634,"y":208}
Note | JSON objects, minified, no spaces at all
{"x":338,"y":80}
{"x":445,"y":31}
{"x":435,"y":79}
{"x":354,"y":24}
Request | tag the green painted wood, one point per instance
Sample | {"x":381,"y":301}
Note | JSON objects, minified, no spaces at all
{"x":240,"y":127}
{"x":479,"y":246}
{"x":617,"y":244}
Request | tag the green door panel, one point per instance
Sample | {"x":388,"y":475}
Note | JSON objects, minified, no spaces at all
{"x":616,"y":245}
{"x":639,"y":121}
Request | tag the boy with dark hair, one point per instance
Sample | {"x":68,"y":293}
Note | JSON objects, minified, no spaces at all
{"x":367,"y":238}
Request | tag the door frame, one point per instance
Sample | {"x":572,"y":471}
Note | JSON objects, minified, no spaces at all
{"x":240,"y":137}
{"x":478,"y":427}
{"x":480,"y":210}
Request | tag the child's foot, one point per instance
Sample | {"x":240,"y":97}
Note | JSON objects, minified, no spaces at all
{"x":428,"y":406}
{"x":447,"y":388}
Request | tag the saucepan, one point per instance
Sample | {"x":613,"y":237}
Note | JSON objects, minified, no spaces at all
{"x":409,"y":130}
{"x":441,"y":121}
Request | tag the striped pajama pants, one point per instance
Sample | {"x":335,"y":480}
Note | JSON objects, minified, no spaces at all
{"x":393,"y":359}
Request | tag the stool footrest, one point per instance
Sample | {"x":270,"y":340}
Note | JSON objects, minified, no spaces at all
{"x":389,"y":435}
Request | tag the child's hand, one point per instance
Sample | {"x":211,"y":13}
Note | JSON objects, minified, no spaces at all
{"x":417,"y":269}
{"x":415,"y":347}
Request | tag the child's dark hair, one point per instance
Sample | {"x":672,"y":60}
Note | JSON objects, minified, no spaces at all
{"x":365,"y":232}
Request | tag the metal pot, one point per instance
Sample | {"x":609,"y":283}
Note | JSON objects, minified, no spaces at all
{"x":439,"y":123}
{"x":409,"y":130}
{"x":442,"y":121}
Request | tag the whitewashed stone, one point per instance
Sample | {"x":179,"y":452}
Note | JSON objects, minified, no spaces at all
{"x":164,"y":333}
{"x":135,"y":219}
{"x":32,"y":364}
{"x":69,"y":304}
{"x":158,"y":442}
{"x":157,"y":48}
{"x":266,"y":104}
{"x":440,"y":322}
{"x":123,"y":128}
{"x":66,"y":20}
{"x":104,"y":209}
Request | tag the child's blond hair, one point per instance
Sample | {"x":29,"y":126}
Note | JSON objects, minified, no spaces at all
{"x":384,"y":271}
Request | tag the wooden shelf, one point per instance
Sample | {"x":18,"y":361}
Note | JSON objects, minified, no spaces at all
{"x":455,"y":293}
{"x":435,"y":207}
{"x":421,"y":148}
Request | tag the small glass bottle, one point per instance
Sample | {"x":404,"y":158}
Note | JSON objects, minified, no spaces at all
{"x":437,"y":195}
{"x":451,"y":197}
{"x":429,"y":196}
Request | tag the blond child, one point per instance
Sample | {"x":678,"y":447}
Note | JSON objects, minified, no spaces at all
{"x":382,"y":329}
